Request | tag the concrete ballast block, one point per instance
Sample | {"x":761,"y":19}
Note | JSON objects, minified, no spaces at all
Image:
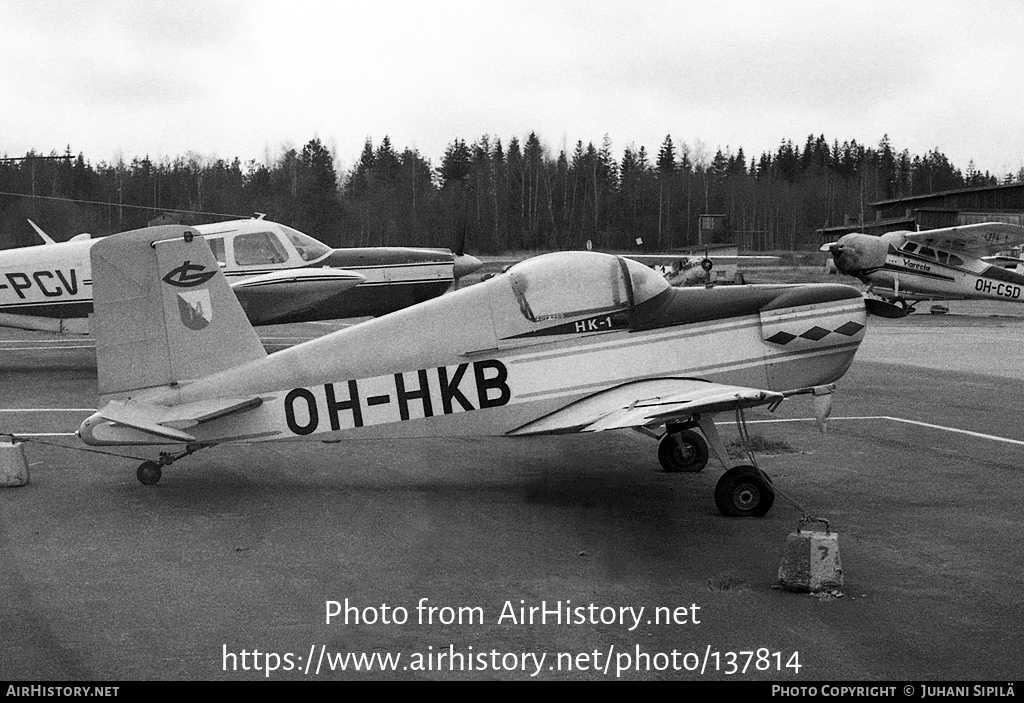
{"x":13,"y":466}
{"x":810,"y":562}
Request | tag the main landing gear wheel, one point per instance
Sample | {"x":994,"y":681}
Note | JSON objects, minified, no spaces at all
{"x":743,"y":491}
{"x":683,"y":451}
{"x":149,"y":472}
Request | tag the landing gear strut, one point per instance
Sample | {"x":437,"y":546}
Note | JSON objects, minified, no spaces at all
{"x":149,"y":472}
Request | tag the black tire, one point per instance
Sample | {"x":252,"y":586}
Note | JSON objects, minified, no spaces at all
{"x":683,"y":451}
{"x":148,"y":473}
{"x":743,"y":491}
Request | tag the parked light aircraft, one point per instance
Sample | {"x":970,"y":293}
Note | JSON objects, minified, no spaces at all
{"x":564,"y":342}
{"x":696,"y":269}
{"x":278,"y":273}
{"x":690,"y":269}
{"x":936,"y":264}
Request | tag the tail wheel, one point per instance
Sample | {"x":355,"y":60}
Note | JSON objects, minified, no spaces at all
{"x":683,"y":451}
{"x":148,"y":472}
{"x":743,"y":491}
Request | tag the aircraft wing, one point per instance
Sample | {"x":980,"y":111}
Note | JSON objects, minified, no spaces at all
{"x":889,"y":293}
{"x":649,"y":402}
{"x":727,"y":259}
{"x":168,"y":422}
{"x":983,"y":239}
{"x":272,"y":296}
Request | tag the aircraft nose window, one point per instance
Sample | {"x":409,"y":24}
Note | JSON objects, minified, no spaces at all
{"x":309,"y":249}
{"x":259,"y":248}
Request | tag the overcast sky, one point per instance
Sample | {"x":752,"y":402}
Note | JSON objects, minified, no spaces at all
{"x":226,"y":78}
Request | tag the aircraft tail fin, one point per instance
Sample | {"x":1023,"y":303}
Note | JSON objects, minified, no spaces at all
{"x":47,"y":239}
{"x":163,"y":312}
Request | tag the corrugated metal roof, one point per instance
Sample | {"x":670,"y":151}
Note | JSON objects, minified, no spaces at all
{"x":942,"y":193}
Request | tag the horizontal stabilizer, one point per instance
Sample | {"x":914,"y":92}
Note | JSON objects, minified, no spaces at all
{"x":169,"y":421}
{"x":651,"y":402}
{"x":142,"y":416}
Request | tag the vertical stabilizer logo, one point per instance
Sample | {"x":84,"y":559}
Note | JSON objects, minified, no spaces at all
{"x":195,"y":308}
{"x":188,"y":275}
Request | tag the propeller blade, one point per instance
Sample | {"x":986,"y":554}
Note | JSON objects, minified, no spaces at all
{"x":460,"y":248}
{"x":463,"y":264}
{"x":880,"y":308}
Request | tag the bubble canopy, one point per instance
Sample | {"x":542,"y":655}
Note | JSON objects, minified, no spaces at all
{"x":566,"y":284}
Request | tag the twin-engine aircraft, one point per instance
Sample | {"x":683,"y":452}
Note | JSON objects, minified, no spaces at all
{"x":564,"y":342}
{"x":278,"y":273}
{"x":936,"y":264}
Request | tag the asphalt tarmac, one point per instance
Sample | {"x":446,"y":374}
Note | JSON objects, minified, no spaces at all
{"x":244,"y":548}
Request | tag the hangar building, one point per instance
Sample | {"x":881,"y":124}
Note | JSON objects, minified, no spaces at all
{"x":964,"y":206}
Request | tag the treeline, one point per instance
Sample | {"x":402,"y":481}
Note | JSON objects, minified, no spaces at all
{"x":494,"y":196}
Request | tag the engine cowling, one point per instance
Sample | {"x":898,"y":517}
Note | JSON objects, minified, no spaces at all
{"x":857,"y":254}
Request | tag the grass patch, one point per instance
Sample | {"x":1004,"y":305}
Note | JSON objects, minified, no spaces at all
{"x":759,"y":444}
{"x":728,"y":582}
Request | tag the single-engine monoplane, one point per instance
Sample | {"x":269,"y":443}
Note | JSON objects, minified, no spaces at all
{"x":696,"y":269}
{"x":564,"y":342}
{"x":936,"y":264}
{"x":279,"y":274}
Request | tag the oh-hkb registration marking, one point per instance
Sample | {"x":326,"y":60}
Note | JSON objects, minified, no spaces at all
{"x":397,"y":397}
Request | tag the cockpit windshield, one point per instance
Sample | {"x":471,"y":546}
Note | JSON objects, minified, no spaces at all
{"x":646,"y":282}
{"x":309,"y":249}
{"x":567,"y":284}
